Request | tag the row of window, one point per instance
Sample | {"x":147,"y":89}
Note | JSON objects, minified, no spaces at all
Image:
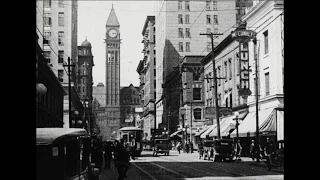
{"x":112,"y":45}
{"x":187,"y":47}
{"x":210,"y":5}
{"x":47,"y":3}
{"x":209,"y":19}
{"x":186,"y":7}
{"x":47,"y":38}
{"x":47,"y":55}
{"x":48,"y":22}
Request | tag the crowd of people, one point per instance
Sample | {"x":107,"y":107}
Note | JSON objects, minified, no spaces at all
{"x":119,"y":151}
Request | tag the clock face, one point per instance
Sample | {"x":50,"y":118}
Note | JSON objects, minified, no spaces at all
{"x":113,"y":33}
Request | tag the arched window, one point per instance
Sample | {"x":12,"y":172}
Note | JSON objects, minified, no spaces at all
{"x":197,"y":114}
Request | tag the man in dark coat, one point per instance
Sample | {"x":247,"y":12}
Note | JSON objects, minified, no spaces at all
{"x":107,"y":155}
{"x":122,"y":158}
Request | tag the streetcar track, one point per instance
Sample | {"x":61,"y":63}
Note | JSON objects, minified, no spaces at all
{"x":234,"y":173}
{"x":162,"y":167}
{"x":177,"y":162}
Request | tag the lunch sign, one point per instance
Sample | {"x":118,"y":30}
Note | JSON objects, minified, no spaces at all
{"x":243,"y":36}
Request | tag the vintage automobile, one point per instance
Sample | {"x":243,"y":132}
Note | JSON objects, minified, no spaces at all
{"x":161,"y":146}
{"x":219,"y":149}
{"x":276,"y":159}
{"x":63,"y":154}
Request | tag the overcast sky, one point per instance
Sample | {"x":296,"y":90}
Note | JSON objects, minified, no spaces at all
{"x":92,"y":18}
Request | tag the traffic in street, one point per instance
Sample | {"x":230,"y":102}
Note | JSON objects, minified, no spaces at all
{"x":189,"y":166}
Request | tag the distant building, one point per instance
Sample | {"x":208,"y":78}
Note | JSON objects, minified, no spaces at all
{"x":147,"y":72}
{"x":101,"y":124}
{"x":129,"y":101}
{"x":84,"y":81}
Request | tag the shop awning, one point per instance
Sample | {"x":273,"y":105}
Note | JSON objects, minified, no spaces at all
{"x":202,"y":131}
{"x":268,"y":127}
{"x":208,"y":131}
{"x":247,"y":127}
{"x":232,"y":124}
{"x":224,"y":123}
{"x":175,"y":133}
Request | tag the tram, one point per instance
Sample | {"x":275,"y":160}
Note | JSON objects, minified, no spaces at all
{"x":134,"y":136}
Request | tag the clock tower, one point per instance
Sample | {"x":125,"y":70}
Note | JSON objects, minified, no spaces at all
{"x":112,"y":73}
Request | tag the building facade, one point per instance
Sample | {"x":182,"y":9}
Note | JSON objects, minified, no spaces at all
{"x":113,"y":71}
{"x":49,"y":94}
{"x":101,"y":123}
{"x":235,"y":62}
{"x":57,"y":27}
{"x":129,"y":101}
{"x":147,"y":72}
{"x":192,"y":102}
{"x":179,"y":24}
{"x":84,"y":81}
{"x":266,"y":18}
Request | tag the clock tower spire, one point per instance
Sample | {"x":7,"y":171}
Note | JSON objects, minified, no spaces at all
{"x":112,"y":74}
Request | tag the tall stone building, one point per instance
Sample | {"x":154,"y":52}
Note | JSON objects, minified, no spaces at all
{"x":179,"y":24}
{"x":112,"y":72}
{"x":147,"y":73}
{"x":84,"y":81}
{"x":57,"y":30}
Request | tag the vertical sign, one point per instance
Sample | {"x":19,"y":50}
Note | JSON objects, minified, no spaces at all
{"x":244,"y":90}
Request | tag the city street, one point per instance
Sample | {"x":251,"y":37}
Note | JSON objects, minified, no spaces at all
{"x":189,"y":166}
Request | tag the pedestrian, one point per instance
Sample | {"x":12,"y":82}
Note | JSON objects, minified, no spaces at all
{"x":187,"y":147}
{"x":97,"y":155}
{"x":270,"y":151}
{"x":191,"y":147}
{"x":133,"y":149}
{"x":107,"y":155}
{"x":252,"y":149}
{"x":238,"y":150}
{"x":200,"y":149}
{"x":178,"y":147}
{"x":122,"y":159}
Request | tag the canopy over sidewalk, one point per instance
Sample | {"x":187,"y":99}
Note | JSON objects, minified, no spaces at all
{"x":247,"y":127}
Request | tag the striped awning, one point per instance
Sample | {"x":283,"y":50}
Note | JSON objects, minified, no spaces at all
{"x":202,"y":131}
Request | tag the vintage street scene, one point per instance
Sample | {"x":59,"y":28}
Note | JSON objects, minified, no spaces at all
{"x":160,"y":90}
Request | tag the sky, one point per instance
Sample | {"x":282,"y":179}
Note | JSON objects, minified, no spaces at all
{"x":92,"y":18}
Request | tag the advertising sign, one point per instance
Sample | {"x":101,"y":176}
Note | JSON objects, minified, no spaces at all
{"x":244,"y":90}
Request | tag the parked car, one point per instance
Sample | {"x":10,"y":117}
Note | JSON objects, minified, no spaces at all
{"x":161,"y":146}
{"x":219,"y":149}
{"x":276,"y":159}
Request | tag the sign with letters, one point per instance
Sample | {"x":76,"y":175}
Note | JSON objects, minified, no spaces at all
{"x":244,"y":90}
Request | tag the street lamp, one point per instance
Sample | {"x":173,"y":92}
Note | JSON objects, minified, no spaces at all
{"x":85,"y":102}
{"x":185,"y":87}
{"x":236,"y":115}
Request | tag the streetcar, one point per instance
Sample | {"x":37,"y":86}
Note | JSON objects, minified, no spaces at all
{"x":64,"y":154}
{"x":132,"y":135}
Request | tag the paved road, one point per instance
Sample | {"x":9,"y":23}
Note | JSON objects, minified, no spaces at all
{"x":189,"y":166}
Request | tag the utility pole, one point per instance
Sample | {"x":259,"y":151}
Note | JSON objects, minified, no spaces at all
{"x":69,"y":88}
{"x":191,"y":122}
{"x":257,"y":100}
{"x":214,"y":80}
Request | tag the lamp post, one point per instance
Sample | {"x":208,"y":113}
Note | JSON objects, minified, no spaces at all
{"x":85,"y":103}
{"x":236,"y":114}
{"x":185,"y":87}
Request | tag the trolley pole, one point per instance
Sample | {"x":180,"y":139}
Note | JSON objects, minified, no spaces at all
{"x":214,"y":81}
